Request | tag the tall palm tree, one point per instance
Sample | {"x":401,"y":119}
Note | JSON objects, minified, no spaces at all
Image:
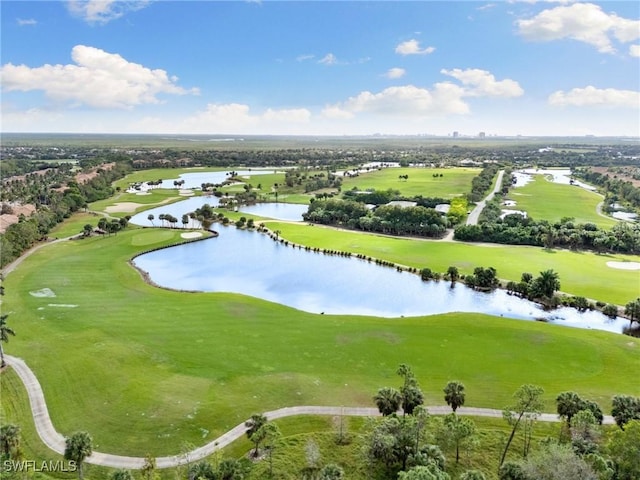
{"x":150,"y":217}
{"x":78,"y":447}
{"x":5,"y":331}
{"x":388,"y":400}
{"x":454,"y":394}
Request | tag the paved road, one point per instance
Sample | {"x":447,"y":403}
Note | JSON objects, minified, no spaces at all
{"x":56,"y":442}
{"x":472,"y":219}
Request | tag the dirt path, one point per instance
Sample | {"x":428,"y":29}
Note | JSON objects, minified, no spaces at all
{"x":56,"y":441}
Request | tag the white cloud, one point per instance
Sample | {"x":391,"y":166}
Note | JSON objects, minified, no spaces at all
{"x":412,"y":47}
{"x":634,"y":50}
{"x":406,"y":101}
{"x":103,"y":11}
{"x":26,"y":21}
{"x":395,"y":72}
{"x":302,"y":58}
{"x":585,"y":22}
{"x":328,"y":59}
{"x":231,"y":118}
{"x":592,"y":96}
{"x":98,"y":79}
{"x":444,"y":98}
{"x":482,"y":83}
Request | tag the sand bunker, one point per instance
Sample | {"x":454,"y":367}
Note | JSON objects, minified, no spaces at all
{"x":43,"y":293}
{"x":123,"y":207}
{"x":624,"y":265}
{"x":191,"y":234}
{"x":62,"y":305}
{"x":185,"y":193}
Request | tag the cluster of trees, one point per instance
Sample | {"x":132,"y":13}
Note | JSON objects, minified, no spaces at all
{"x":387,"y":219}
{"x":481,"y":184}
{"x":515,"y":229}
{"x":54,"y":203}
{"x":618,"y":190}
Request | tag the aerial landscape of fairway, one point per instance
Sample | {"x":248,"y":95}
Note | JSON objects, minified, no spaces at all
{"x":346,"y":240}
{"x":146,"y":369}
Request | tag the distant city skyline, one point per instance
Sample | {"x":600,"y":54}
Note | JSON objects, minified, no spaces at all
{"x":321,"y":68}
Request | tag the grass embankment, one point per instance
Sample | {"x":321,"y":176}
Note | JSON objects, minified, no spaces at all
{"x":581,"y":273}
{"x":421,"y":181}
{"x":144,"y":369}
{"x":543,"y":199}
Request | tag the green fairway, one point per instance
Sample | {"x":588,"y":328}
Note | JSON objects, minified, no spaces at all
{"x":581,"y":273}
{"x":546,"y":200}
{"x":144,"y":369}
{"x":421,"y":181}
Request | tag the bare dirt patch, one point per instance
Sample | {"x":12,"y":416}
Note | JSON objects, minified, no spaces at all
{"x":7,"y":219}
{"x":624,"y":265}
{"x":86,"y":176}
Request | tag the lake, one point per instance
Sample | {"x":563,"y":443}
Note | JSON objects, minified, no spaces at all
{"x":251,"y":263}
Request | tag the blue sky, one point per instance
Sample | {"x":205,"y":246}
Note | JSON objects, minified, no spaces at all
{"x":321,"y":68}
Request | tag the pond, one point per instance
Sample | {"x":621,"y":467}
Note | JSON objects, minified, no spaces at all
{"x":251,"y":263}
{"x":196,"y":179}
{"x":276,"y":211}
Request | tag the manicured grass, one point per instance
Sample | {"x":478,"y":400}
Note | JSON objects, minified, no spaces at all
{"x":455,"y":181}
{"x":144,"y":369}
{"x":546,"y":200}
{"x":581,"y":273}
{"x":156,"y":197}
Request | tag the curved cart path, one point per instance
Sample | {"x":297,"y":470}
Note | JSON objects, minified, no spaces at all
{"x":56,"y":441}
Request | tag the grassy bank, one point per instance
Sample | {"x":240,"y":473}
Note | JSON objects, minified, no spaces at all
{"x":581,"y":273}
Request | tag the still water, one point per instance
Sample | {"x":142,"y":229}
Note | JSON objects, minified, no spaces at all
{"x":252,"y":264}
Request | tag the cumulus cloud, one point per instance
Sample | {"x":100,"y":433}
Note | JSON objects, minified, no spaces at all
{"x":395,"y":73}
{"x":584,"y":22}
{"x":328,"y":59}
{"x":481,"y":83}
{"x":231,"y":118}
{"x":103,"y":11}
{"x":634,"y":50}
{"x":412,"y":47}
{"x":592,"y":96}
{"x":407,"y":100}
{"x":97,"y":79}
{"x":26,"y":21}
{"x":444,"y":98}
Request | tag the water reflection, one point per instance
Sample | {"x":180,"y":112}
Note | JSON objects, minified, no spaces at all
{"x":252,"y":264}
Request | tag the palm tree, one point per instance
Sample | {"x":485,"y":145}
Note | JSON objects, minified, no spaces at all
{"x":633,"y":310}
{"x":454,"y":274}
{"x":546,"y":284}
{"x":5,"y":331}
{"x":150,"y":217}
{"x":387,"y":400}
{"x":454,"y":394}
{"x":78,"y":447}
{"x":254,"y":432}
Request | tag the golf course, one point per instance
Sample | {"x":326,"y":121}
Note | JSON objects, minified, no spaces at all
{"x":149,"y":370}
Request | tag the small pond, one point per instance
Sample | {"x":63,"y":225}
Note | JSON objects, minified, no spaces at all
{"x":196,"y":179}
{"x":276,"y":211}
{"x":250,"y":263}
